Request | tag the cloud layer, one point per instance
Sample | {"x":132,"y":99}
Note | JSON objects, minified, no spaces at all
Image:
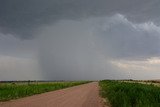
{"x":79,"y":39}
{"x":21,"y":18}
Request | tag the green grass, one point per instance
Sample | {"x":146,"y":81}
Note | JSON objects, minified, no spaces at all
{"x":123,"y":94}
{"x":13,"y":91}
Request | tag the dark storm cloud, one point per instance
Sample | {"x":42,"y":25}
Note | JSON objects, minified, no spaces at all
{"x":22,"y":17}
{"x":79,"y":39}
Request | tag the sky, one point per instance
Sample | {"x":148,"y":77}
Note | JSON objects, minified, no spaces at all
{"x":79,"y":39}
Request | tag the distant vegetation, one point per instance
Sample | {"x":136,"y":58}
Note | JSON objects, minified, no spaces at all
{"x":128,"y":94}
{"x":14,"y":90}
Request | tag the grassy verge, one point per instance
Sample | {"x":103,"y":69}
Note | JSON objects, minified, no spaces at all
{"x":14,"y":91}
{"x":123,"y":94}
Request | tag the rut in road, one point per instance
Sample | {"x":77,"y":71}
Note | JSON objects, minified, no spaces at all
{"x":86,"y":95}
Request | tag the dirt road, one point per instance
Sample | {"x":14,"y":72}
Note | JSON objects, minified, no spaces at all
{"x":86,"y":95}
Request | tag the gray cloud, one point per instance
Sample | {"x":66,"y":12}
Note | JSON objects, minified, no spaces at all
{"x":78,"y":39}
{"x":12,"y":46}
{"x":122,"y":38}
{"x":21,"y":17}
{"x":18,"y":59}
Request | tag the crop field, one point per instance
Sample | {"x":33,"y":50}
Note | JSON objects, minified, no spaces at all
{"x":128,"y":94}
{"x":15,"y":90}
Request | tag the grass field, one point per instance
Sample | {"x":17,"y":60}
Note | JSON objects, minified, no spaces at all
{"x":126,"y":94}
{"x":10,"y":91}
